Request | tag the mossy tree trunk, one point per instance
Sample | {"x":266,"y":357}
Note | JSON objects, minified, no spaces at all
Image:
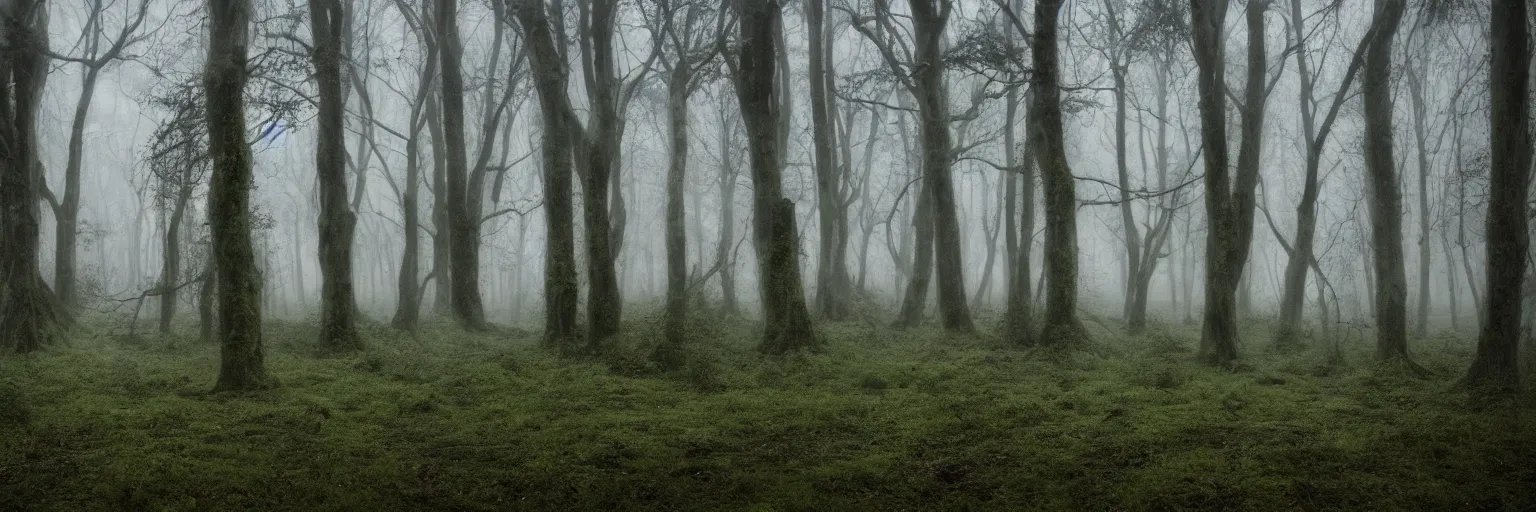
{"x":1060,"y":324}
{"x":787,"y":322}
{"x":547,"y":65}
{"x":596,"y":164}
{"x":337,"y":223}
{"x":1496,"y":365}
{"x":1229,"y":196}
{"x":243,"y":367}
{"x":30,"y":316}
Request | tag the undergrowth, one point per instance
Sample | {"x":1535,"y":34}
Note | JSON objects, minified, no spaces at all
{"x":879,"y":420}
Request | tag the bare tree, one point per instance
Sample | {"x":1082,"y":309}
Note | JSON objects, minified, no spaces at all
{"x":1314,"y":138}
{"x":99,"y":50}
{"x":833,"y":288}
{"x":683,"y":31}
{"x":547,"y":62}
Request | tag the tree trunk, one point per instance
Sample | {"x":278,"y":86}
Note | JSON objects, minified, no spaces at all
{"x":442,"y":230}
{"x":206,"y":320}
{"x":170,"y":269}
{"x":1229,"y":199}
{"x":547,"y":66}
{"x":464,"y":242}
{"x":338,"y":305}
{"x":239,"y":287}
{"x":724,"y":249}
{"x":916,"y":298}
{"x":30,"y":316}
{"x":1060,"y":325}
{"x":1382,"y":188}
{"x":1415,"y":80}
{"x":787,"y":322}
{"x":669,"y":354}
{"x":596,"y":164}
{"x":832,"y":289}
{"x":1496,"y":365}
{"x":929,"y":18}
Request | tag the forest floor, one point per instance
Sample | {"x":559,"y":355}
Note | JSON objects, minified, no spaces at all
{"x":880,"y":420}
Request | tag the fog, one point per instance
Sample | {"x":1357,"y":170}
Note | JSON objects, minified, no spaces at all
{"x":948,"y":162}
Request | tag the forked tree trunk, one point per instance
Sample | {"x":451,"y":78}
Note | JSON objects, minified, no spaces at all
{"x":1496,"y":365}
{"x":243,"y":367}
{"x":832,"y":287}
{"x":787,"y":322}
{"x":929,"y":18}
{"x":1229,"y":200}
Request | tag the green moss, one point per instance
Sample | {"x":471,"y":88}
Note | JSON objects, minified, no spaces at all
{"x":879,"y":420}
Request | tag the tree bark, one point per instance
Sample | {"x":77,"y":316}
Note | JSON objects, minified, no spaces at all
{"x":1060,"y":325}
{"x":337,"y":223}
{"x":929,"y":18}
{"x":787,"y":322}
{"x":1382,"y":188}
{"x":243,"y":367}
{"x":547,"y":64}
{"x":1496,"y":365}
{"x":1229,"y":200}
{"x":464,"y":242}
{"x":30,"y":316}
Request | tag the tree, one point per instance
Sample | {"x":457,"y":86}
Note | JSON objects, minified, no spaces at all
{"x":1496,"y":367}
{"x":463,"y":231}
{"x":338,"y":307}
{"x":66,"y":210}
{"x":1229,"y":200}
{"x":1382,"y":187}
{"x":547,"y":63}
{"x":408,"y":303}
{"x":1314,"y":138}
{"x":243,"y":367}
{"x":608,"y":97}
{"x":1060,"y":324}
{"x":29,"y":311}
{"x":833,"y":288}
{"x":688,"y":50}
{"x":787,"y":322}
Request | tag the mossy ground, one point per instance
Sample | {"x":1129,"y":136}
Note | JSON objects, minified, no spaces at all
{"x":880,"y":420}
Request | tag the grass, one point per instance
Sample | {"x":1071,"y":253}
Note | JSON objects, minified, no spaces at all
{"x":881,"y":420}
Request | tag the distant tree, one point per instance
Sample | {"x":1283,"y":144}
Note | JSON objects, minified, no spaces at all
{"x":243,"y":367}
{"x":754,"y":69}
{"x":1495,"y":367}
{"x":98,"y":51}
{"x":683,"y":30}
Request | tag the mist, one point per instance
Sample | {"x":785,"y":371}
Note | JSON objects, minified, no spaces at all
{"x":766,"y":254}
